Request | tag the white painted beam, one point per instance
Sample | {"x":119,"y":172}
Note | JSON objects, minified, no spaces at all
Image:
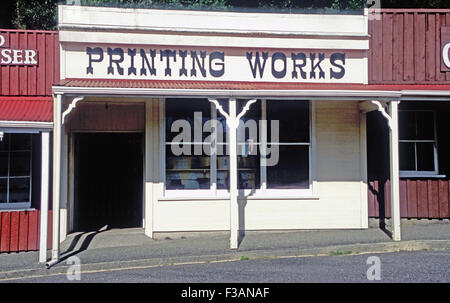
{"x":72,"y":17}
{"x":363,"y":168}
{"x":234,"y":207}
{"x":149,"y":167}
{"x":394,"y":171}
{"x":57,"y":126}
{"x":45,"y":170}
{"x":232,"y":120}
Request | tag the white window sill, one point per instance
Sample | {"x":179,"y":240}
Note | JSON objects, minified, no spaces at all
{"x":409,"y":174}
{"x":295,"y":195}
{"x":11,"y":209}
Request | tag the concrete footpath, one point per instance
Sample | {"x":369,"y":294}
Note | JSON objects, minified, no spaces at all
{"x":109,"y":250}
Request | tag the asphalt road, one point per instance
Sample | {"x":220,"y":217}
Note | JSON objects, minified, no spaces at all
{"x":421,"y":266}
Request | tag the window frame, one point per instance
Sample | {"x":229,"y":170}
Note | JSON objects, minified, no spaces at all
{"x":260,"y":193}
{"x":17,"y":205}
{"x":422,"y":173}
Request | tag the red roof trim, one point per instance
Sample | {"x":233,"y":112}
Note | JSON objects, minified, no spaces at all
{"x":33,"y":109}
{"x":241,"y":85}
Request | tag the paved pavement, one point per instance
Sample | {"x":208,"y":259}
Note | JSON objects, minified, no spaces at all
{"x":130,"y":248}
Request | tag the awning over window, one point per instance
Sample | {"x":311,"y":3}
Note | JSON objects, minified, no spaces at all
{"x":240,"y":85}
{"x":32,"y":109}
{"x":255,"y":89}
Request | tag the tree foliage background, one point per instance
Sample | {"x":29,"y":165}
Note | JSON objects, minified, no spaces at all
{"x":42,"y":14}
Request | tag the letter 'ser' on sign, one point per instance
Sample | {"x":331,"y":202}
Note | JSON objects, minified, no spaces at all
{"x":16,"y":56}
{"x":445,"y":49}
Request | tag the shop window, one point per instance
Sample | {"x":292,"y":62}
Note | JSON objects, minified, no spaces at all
{"x":188,"y":163}
{"x":15,"y":171}
{"x":417,"y":143}
{"x":292,"y":169}
{"x":202,"y":161}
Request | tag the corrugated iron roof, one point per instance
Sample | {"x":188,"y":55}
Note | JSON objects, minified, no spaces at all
{"x":35,"y":109}
{"x":239,"y":85}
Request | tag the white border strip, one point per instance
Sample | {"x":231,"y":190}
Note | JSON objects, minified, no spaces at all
{"x":313,"y":94}
{"x":25,"y":124}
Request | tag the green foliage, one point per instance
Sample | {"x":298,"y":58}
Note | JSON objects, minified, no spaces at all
{"x":35,"y":14}
{"x":415,"y":3}
{"x":190,"y":4}
{"x":42,"y":14}
{"x":348,"y":4}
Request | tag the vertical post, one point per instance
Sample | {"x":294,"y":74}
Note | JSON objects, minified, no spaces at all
{"x":234,"y":207}
{"x":56,"y":174}
{"x":148,"y":185}
{"x":63,"y":185}
{"x":233,"y":123}
{"x":71,"y":189}
{"x":213,"y":151}
{"x":45,"y":164}
{"x":263,"y":144}
{"x":363,"y":168}
{"x":394,"y":171}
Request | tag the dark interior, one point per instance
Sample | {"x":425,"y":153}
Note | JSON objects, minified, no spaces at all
{"x":108,"y":180}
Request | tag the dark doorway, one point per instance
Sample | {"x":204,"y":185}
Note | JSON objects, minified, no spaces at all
{"x":108,"y":180}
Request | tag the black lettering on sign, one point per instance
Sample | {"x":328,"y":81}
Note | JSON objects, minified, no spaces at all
{"x":300,"y":66}
{"x":312,"y":74}
{"x":115,"y":52}
{"x":281,"y":73}
{"x":200,"y":65}
{"x":220,"y":57}
{"x":145,"y":61}
{"x":257,"y":64}
{"x":168,"y":53}
{"x":131,"y":69}
{"x":97,"y":51}
{"x":337,"y":57}
{"x":183,"y":55}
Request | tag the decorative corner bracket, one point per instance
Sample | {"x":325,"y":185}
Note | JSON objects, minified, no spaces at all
{"x":71,"y":106}
{"x":382,"y":110}
{"x":227,"y":117}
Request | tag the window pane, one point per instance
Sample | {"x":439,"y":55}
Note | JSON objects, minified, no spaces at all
{"x":249,"y":123}
{"x":3,"y":190}
{"x":293,"y":117}
{"x":407,"y":156}
{"x":292,"y":170}
{"x":20,"y":141}
{"x":249,"y":172}
{"x":407,"y":125}
{"x":425,"y":125}
{"x":425,"y":157}
{"x":19,"y":190}
{"x":3,"y":164}
{"x":223,"y":172}
{"x":187,"y":172}
{"x":221,"y":119}
{"x":4,"y":143}
{"x":187,"y":110}
{"x":19,"y":164}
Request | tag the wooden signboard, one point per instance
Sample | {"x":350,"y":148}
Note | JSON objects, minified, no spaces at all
{"x":445,"y":49}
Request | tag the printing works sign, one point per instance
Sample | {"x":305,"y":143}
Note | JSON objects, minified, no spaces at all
{"x":208,"y":63}
{"x":445,"y":49}
{"x":10,"y":56}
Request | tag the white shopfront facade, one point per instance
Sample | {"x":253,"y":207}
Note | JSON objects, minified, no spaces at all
{"x":305,"y":71}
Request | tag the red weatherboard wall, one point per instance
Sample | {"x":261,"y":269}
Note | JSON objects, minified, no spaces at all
{"x":405,"y":47}
{"x":419,"y":198}
{"x":20,"y":230}
{"x":31,"y":80}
